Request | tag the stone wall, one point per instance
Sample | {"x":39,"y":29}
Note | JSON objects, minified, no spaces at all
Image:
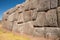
{"x":34,"y":17}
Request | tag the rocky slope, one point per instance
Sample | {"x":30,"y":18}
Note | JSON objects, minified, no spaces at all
{"x":34,"y":17}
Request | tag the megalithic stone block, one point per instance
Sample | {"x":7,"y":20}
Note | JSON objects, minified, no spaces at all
{"x":43,"y":4}
{"x":40,"y":4}
{"x":39,"y":32}
{"x":8,"y":25}
{"x":27,"y":16}
{"x":54,"y":3}
{"x":53,"y":33}
{"x":26,"y":28}
{"x":51,"y":17}
{"x":41,"y":20}
{"x":11,"y":17}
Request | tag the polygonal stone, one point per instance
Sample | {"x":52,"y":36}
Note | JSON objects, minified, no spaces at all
{"x":54,"y":3}
{"x":52,"y":32}
{"x":26,"y":28}
{"x":8,"y":25}
{"x":11,"y":17}
{"x":41,"y":20}
{"x":39,"y":32}
{"x":51,"y":17}
{"x":27,"y":16}
{"x":43,"y":4}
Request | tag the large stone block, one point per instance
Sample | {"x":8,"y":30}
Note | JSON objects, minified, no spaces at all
{"x":53,"y":33}
{"x":40,"y":4}
{"x":54,"y":3}
{"x":11,"y":17}
{"x":27,"y":16}
{"x":41,"y":20}
{"x":43,"y":4}
{"x":8,"y":25}
{"x":39,"y":32}
{"x":51,"y":17}
{"x":26,"y":28}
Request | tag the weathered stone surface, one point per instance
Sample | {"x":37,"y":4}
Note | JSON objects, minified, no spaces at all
{"x":53,"y":33}
{"x":34,"y":17}
{"x":58,"y":15}
{"x":54,"y":3}
{"x":41,"y":20}
{"x":43,"y":4}
{"x":40,"y":5}
{"x":34,"y":14}
{"x":24,"y":16}
{"x":8,"y":25}
{"x":11,"y":17}
{"x":21,"y":17}
{"x":26,"y":28}
{"x":27,"y":16}
{"x":51,"y":17}
{"x":39,"y":32}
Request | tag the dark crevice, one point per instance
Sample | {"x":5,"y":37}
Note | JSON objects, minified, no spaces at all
{"x":20,"y":12}
{"x":37,"y":26}
{"x":26,"y":9}
{"x":7,"y":13}
{"x":20,"y":22}
{"x":5,"y":19}
{"x":49,"y":26}
{"x":46,"y":10}
{"x":32,"y":8}
{"x":38,"y":10}
{"x":54,"y":8}
{"x":33,"y":19}
{"x":18,"y":7}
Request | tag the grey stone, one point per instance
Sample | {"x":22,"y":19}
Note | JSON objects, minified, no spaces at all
{"x":43,"y":4}
{"x":51,"y":17}
{"x":41,"y":20}
{"x":26,"y":28}
{"x":52,"y":32}
{"x":54,"y":3}
{"x":39,"y":32}
{"x":27,"y":16}
{"x":8,"y":25}
{"x":11,"y":17}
